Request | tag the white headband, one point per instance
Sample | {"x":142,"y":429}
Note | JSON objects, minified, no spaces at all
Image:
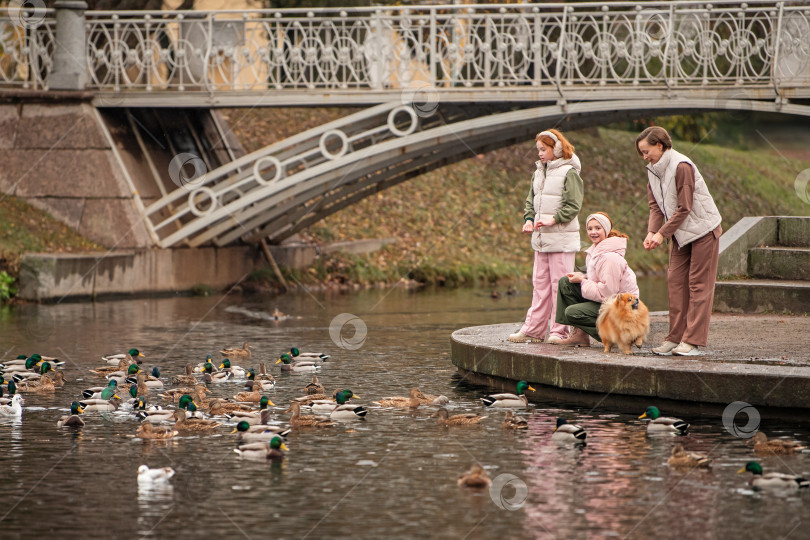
{"x":557,"y":144}
{"x":602,"y":220}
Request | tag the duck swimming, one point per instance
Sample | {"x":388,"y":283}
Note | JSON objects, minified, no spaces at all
{"x":663,"y":424}
{"x":518,"y":401}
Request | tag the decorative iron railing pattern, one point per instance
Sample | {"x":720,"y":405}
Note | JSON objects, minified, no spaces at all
{"x":27,"y":42}
{"x":654,"y":44}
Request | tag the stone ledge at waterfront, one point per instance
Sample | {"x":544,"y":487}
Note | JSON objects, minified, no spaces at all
{"x":763,"y":360}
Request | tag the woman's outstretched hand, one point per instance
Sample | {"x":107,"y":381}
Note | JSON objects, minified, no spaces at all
{"x":528,"y":226}
{"x":653,"y":240}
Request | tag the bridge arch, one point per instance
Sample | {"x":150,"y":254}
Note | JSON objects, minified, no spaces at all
{"x":285,"y":187}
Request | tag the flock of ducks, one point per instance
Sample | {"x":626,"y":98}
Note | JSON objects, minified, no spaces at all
{"x":259,"y":434}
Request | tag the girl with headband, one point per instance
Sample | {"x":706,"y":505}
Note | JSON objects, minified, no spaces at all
{"x":581,"y":295}
{"x":550,"y":215}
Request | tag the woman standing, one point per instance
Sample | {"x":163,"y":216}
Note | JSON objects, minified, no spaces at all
{"x":580,"y":296}
{"x":550,"y":215}
{"x":682,"y":208}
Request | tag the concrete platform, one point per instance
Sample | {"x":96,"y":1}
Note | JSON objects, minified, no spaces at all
{"x":763,"y":360}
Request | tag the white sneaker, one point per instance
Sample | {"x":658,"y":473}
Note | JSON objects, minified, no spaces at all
{"x":520,"y":337}
{"x":685,"y":349}
{"x":665,"y":349}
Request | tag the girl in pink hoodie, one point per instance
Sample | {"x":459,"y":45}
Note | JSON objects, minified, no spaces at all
{"x":579,"y":295}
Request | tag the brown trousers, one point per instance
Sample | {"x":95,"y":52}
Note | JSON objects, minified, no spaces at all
{"x":690,"y":282}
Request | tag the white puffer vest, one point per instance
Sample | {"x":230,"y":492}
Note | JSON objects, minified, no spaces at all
{"x":548,"y":183}
{"x":703,"y":218}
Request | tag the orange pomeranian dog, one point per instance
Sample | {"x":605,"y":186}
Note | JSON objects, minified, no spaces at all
{"x":624,"y":321}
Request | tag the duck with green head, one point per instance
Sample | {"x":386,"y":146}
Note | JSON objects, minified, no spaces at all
{"x":258,"y":432}
{"x":260,"y":385}
{"x":73,"y":420}
{"x":237,"y":371}
{"x":287,"y":364}
{"x":274,"y":450}
{"x":329,"y":405}
{"x":262,"y":416}
{"x":347,"y":412}
{"x":132,"y":356}
{"x":663,"y":424}
{"x":153,"y":414}
{"x":315,"y":356}
{"x":129,"y":375}
{"x":183,"y":424}
{"x":515,"y":401}
{"x":773,"y":480}
{"x":216,"y":376}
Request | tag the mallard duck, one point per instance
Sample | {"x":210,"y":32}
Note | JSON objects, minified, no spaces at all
{"x":175,"y":394}
{"x":12,"y":391}
{"x":263,"y":375}
{"x":200,"y":367}
{"x":248,"y":397}
{"x":147,"y":476}
{"x":314,"y":387}
{"x":274,"y":450}
{"x":306,"y":421}
{"x":773,"y":447}
{"x":288,"y":365}
{"x":298,"y":355}
{"x":476,"y":477}
{"x":220,"y":407}
{"x":772,"y":480}
{"x":106,"y":371}
{"x":121,"y":377}
{"x":326,"y":405}
{"x":347,"y":412}
{"x":217,"y":376}
{"x":258,"y":432}
{"x":660,"y":424}
{"x":237,"y":353}
{"x":15,"y":409}
{"x":262,"y":416}
{"x":147,"y":431}
{"x":518,"y":400}
{"x":565,"y":432}
{"x":256,"y":385}
{"x":443,"y":418}
{"x":153,"y":414}
{"x":73,"y":419}
{"x":188,"y":378}
{"x":58,"y":379}
{"x":153,"y":380}
{"x":681,"y":458}
{"x":95,"y":391}
{"x":193,"y":425}
{"x":132,"y":356}
{"x":44,"y":384}
{"x":512,"y":421}
{"x":237,"y":371}
{"x":100,"y":405}
{"x":413,"y":401}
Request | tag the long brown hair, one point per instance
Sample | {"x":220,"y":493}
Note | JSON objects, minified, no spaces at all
{"x":613,"y":232}
{"x":567,"y":147}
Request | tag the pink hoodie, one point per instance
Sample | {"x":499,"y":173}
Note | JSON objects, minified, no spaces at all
{"x":608,"y":272}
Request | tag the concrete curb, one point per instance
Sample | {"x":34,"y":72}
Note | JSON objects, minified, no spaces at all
{"x":718,"y":378}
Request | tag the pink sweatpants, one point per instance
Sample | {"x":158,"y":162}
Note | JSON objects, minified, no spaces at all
{"x":548,"y":269}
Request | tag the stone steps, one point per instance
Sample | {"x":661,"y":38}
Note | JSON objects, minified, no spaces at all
{"x":762,"y":295}
{"x":766,"y":265}
{"x":779,"y":262}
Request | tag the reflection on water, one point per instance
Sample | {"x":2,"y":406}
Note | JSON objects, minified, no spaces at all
{"x":393,"y":475}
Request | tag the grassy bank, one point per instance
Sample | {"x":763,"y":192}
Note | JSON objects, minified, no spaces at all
{"x":461,"y":224}
{"x":24,"y":229}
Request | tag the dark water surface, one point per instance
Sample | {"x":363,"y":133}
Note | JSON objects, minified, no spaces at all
{"x":393,"y":475}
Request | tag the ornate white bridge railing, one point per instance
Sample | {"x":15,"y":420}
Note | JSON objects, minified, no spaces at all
{"x":555,"y":46}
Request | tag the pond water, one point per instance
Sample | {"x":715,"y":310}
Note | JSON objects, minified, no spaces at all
{"x":390,"y":476}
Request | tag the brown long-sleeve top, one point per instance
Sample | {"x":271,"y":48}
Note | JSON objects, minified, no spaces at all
{"x":685,"y":186}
